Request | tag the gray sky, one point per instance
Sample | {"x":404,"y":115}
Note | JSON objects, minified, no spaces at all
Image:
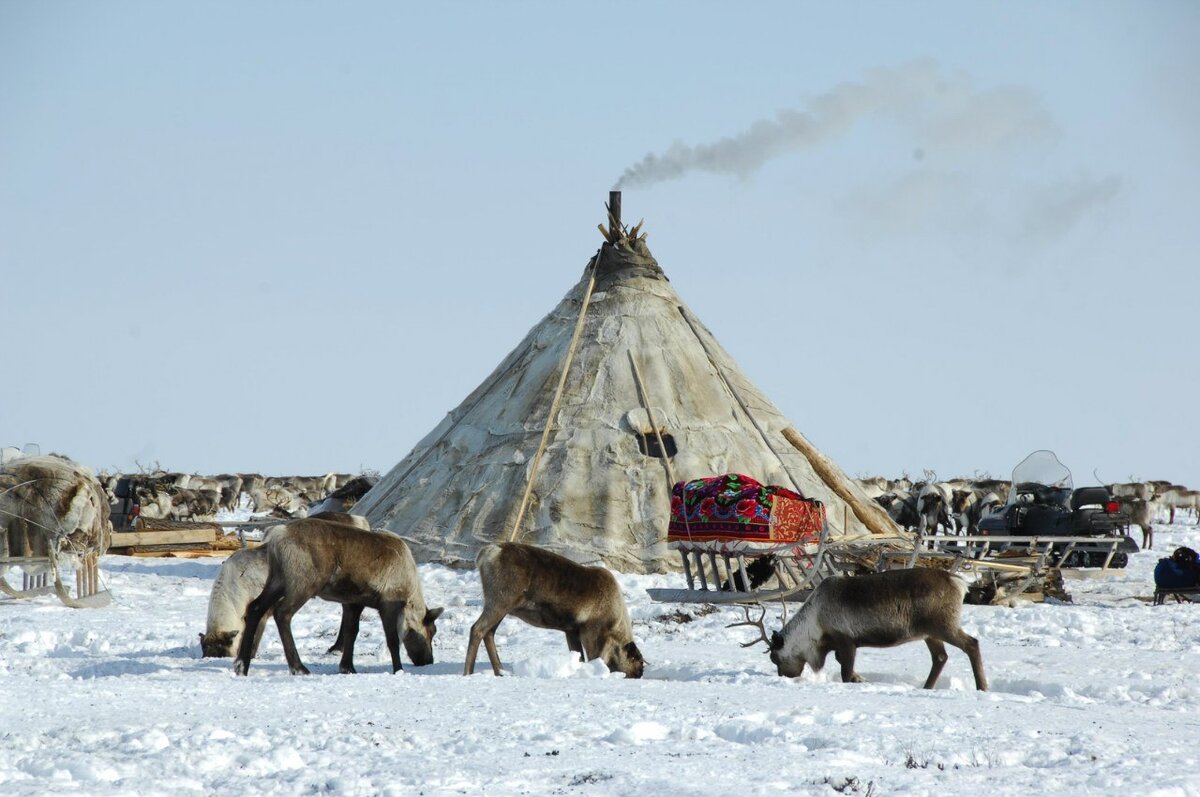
{"x":290,"y":237}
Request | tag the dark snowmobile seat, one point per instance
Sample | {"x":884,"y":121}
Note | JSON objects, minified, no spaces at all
{"x":1090,"y":496}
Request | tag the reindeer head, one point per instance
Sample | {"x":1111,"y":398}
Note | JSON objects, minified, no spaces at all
{"x":218,"y":644}
{"x":625,"y":658}
{"x":789,"y":659}
{"x":790,"y":664}
{"x":418,"y":641}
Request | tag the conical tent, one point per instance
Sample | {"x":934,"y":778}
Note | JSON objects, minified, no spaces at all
{"x":637,"y":358}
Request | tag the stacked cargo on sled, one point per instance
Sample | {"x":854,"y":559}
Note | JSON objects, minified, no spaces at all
{"x":743,"y":541}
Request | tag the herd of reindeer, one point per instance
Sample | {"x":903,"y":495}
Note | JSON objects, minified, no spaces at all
{"x":165,"y":495}
{"x":338,"y":557}
{"x":958,"y":505}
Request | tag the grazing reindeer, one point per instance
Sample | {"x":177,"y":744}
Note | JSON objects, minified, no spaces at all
{"x":550,"y":591}
{"x":877,"y":610}
{"x":241,"y":578}
{"x":355,"y":568}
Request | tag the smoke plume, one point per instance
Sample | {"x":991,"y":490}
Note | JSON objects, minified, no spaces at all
{"x":943,"y":111}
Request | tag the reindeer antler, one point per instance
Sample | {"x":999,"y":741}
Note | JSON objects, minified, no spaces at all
{"x":756,"y":624}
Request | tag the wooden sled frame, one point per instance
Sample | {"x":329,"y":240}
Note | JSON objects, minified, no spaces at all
{"x":1027,"y":562}
{"x":36,"y":573}
{"x":979,"y":547}
{"x":708,"y":565}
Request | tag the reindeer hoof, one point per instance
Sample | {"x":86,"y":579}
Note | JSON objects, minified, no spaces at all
{"x":857,"y":679}
{"x":347,"y":669}
{"x":240,"y":667}
{"x":300,"y":670}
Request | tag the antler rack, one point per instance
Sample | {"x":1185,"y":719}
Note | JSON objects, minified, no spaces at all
{"x":754,"y":624}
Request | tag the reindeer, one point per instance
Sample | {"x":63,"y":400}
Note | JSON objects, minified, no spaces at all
{"x":154,"y":504}
{"x":901,"y":507}
{"x":241,"y":578}
{"x":1140,"y":516}
{"x":877,"y":610}
{"x":933,"y":507}
{"x":550,"y":591}
{"x":320,"y":558}
{"x":973,"y":505}
{"x":873,"y":486}
{"x":1179,"y":497}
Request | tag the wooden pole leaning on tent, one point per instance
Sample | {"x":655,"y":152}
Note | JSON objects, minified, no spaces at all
{"x":872,"y":517}
{"x":562,"y":381}
{"x":641,"y":385}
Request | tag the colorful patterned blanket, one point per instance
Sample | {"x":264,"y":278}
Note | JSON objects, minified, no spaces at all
{"x":735,"y":507}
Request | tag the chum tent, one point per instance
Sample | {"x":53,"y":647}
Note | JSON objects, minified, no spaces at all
{"x":643,"y":374}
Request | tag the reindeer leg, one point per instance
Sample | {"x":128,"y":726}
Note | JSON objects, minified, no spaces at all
{"x":845,"y":652}
{"x":340,"y":642}
{"x":489,"y":642}
{"x":970,"y":645}
{"x":473,"y":641}
{"x":347,"y":634}
{"x":283,"y":622}
{"x":937,"y":652}
{"x":484,"y":630}
{"x":261,"y":627}
{"x":260,"y":606}
{"x":392,"y":615}
{"x":574,"y":643}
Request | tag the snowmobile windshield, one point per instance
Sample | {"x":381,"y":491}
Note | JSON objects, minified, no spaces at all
{"x":1040,"y":468}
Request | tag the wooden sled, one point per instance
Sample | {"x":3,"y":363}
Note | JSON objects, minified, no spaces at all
{"x":1020,"y":565}
{"x":41,"y":575}
{"x":713,"y":569}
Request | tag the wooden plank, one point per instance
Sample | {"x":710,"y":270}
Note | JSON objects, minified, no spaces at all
{"x":176,"y":553}
{"x":660,"y":595}
{"x":133,"y":539}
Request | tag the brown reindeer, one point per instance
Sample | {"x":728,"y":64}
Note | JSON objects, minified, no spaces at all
{"x":240,"y":580}
{"x":1140,"y":515}
{"x":550,"y":591}
{"x":358,"y":569}
{"x":878,"y":610}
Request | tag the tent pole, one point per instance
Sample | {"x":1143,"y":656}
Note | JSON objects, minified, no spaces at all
{"x":637,"y":375}
{"x":870,"y":515}
{"x":562,"y":381}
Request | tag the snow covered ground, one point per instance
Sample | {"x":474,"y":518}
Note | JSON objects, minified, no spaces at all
{"x":1101,"y":696}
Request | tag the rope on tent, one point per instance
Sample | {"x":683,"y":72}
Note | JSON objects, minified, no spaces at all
{"x":562,"y":381}
{"x":637,"y":375}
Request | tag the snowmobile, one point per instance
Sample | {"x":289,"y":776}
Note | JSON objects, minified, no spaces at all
{"x":1043,"y":502}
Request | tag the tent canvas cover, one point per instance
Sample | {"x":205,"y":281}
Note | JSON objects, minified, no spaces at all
{"x":600,"y":493}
